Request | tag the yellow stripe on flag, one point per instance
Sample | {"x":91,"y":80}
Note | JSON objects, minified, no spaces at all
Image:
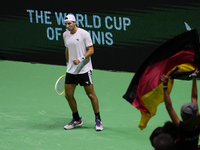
{"x":152,"y":99}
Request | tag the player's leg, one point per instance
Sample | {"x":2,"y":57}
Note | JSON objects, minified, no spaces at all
{"x":92,"y":96}
{"x":69,"y":95}
{"x":95,"y":104}
{"x":86,"y":81}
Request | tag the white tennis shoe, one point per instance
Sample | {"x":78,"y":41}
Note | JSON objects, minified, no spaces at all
{"x":99,"y":126}
{"x":74,"y":124}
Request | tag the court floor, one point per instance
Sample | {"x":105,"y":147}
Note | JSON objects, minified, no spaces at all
{"x":32,"y":115}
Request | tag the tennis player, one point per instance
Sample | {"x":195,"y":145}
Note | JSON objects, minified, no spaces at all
{"x":79,"y":48}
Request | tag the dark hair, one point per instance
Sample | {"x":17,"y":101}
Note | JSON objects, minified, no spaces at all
{"x":168,"y":128}
{"x":164,"y":141}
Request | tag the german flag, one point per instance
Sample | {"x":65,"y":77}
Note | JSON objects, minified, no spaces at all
{"x":179,"y":55}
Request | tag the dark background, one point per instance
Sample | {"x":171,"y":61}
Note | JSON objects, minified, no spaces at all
{"x":152,"y":24}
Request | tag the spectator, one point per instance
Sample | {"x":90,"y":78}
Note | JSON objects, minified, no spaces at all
{"x":188,"y":135}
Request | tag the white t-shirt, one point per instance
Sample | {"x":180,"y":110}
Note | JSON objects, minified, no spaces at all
{"x":76,"y":44}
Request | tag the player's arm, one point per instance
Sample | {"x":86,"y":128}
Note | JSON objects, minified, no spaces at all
{"x":90,"y":51}
{"x":194,"y":88}
{"x":168,"y":102}
{"x":67,"y":55}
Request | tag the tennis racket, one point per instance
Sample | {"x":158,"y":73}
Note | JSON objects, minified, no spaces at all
{"x":60,"y":85}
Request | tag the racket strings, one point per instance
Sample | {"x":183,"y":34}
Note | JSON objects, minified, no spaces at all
{"x":60,"y":85}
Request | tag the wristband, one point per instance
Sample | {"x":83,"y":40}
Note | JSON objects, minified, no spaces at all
{"x":193,"y":75}
{"x":164,"y":86}
{"x":82,"y":58}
